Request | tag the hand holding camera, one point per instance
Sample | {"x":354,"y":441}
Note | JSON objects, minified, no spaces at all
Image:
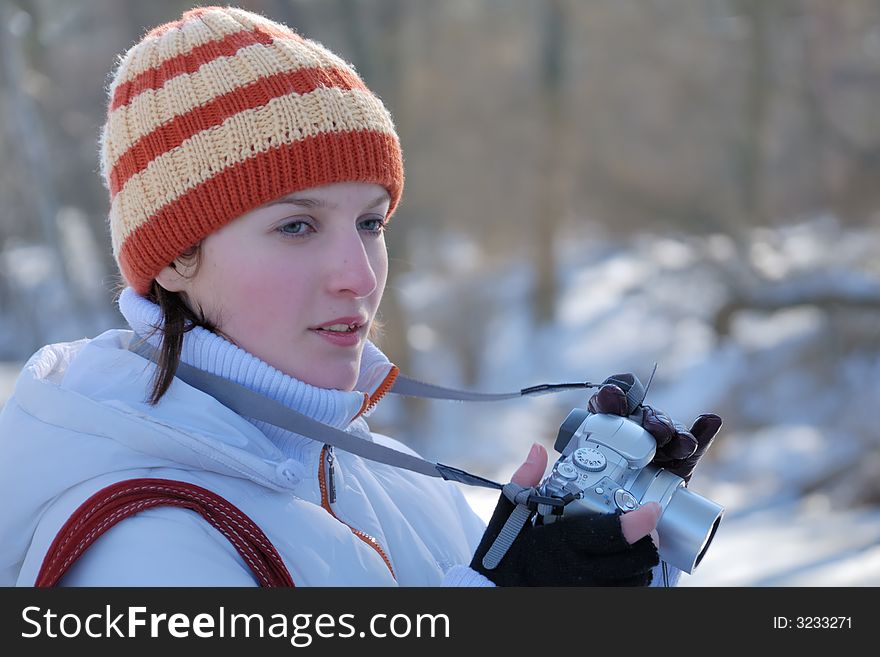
{"x":618,"y":457}
{"x":606,"y":550}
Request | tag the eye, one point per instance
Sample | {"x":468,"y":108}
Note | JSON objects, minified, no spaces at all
{"x":297,"y":228}
{"x":374,"y":224}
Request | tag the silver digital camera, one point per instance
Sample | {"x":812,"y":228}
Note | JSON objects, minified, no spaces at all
{"x":605,"y":466}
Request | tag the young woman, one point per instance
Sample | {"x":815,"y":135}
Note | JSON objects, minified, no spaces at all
{"x":251,"y":174}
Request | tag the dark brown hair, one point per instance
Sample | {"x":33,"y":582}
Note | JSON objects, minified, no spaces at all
{"x":177,"y":319}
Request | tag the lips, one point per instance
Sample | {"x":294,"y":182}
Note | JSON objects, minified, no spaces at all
{"x":353,"y":322}
{"x":350,"y":336}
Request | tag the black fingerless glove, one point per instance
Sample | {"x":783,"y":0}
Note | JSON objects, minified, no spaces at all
{"x":578,"y":550}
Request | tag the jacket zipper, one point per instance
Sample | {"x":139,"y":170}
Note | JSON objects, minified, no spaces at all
{"x":327,"y":496}
{"x":371,"y":400}
{"x":331,"y":482}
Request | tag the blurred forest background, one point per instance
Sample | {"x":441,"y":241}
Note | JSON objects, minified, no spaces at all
{"x":592,"y":186}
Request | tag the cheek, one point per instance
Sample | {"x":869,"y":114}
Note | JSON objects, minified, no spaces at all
{"x":268,"y":298}
{"x":379,"y":260}
{"x":258,"y":297}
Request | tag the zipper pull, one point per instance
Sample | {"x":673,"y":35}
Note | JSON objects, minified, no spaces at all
{"x":331,"y":482}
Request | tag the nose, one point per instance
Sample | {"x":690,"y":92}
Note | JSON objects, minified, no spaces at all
{"x":350,"y":268}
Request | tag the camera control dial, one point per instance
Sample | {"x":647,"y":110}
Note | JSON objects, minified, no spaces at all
{"x":567,"y":471}
{"x":589,"y":459}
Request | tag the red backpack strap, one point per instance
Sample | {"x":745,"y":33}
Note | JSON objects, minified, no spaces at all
{"x":126,"y":498}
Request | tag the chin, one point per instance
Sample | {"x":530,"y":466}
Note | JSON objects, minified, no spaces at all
{"x":340,"y":380}
{"x":345,"y":375}
{"x":347,"y":383}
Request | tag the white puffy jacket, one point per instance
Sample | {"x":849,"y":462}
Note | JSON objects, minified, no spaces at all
{"x":77,"y":422}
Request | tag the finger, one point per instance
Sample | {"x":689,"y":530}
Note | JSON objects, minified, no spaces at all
{"x":682,"y":445}
{"x":528,"y":474}
{"x":531,"y":472}
{"x":609,"y":399}
{"x":659,"y":425}
{"x":640,"y":523}
{"x":705,"y":427}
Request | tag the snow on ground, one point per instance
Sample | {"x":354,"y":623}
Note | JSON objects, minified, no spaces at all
{"x":793,"y":544}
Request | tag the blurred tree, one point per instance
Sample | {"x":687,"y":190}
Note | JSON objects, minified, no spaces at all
{"x":28,"y":132}
{"x":555,"y":171}
{"x":758,"y":14}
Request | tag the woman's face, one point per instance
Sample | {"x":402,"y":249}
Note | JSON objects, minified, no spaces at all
{"x":277,"y":278}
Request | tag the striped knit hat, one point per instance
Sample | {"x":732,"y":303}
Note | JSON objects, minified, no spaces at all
{"x":219,"y":112}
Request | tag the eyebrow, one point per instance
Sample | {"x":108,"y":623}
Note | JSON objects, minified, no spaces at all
{"x":321,"y":203}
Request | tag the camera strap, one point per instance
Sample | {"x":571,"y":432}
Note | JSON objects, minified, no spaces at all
{"x":248,"y":403}
{"x":521,"y":514}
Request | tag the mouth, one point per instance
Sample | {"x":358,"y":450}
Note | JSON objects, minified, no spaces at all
{"x":342,"y":331}
{"x":341,"y":325}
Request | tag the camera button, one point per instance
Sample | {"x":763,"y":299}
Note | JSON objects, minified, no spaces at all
{"x":567,"y":471}
{"x":625,"y":500}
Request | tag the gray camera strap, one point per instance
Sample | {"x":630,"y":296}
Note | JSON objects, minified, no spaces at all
{"x":409,"y":387}
{"x":514,"y":524}
{"x":527,"y":501}
{"x":248,"y":403}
